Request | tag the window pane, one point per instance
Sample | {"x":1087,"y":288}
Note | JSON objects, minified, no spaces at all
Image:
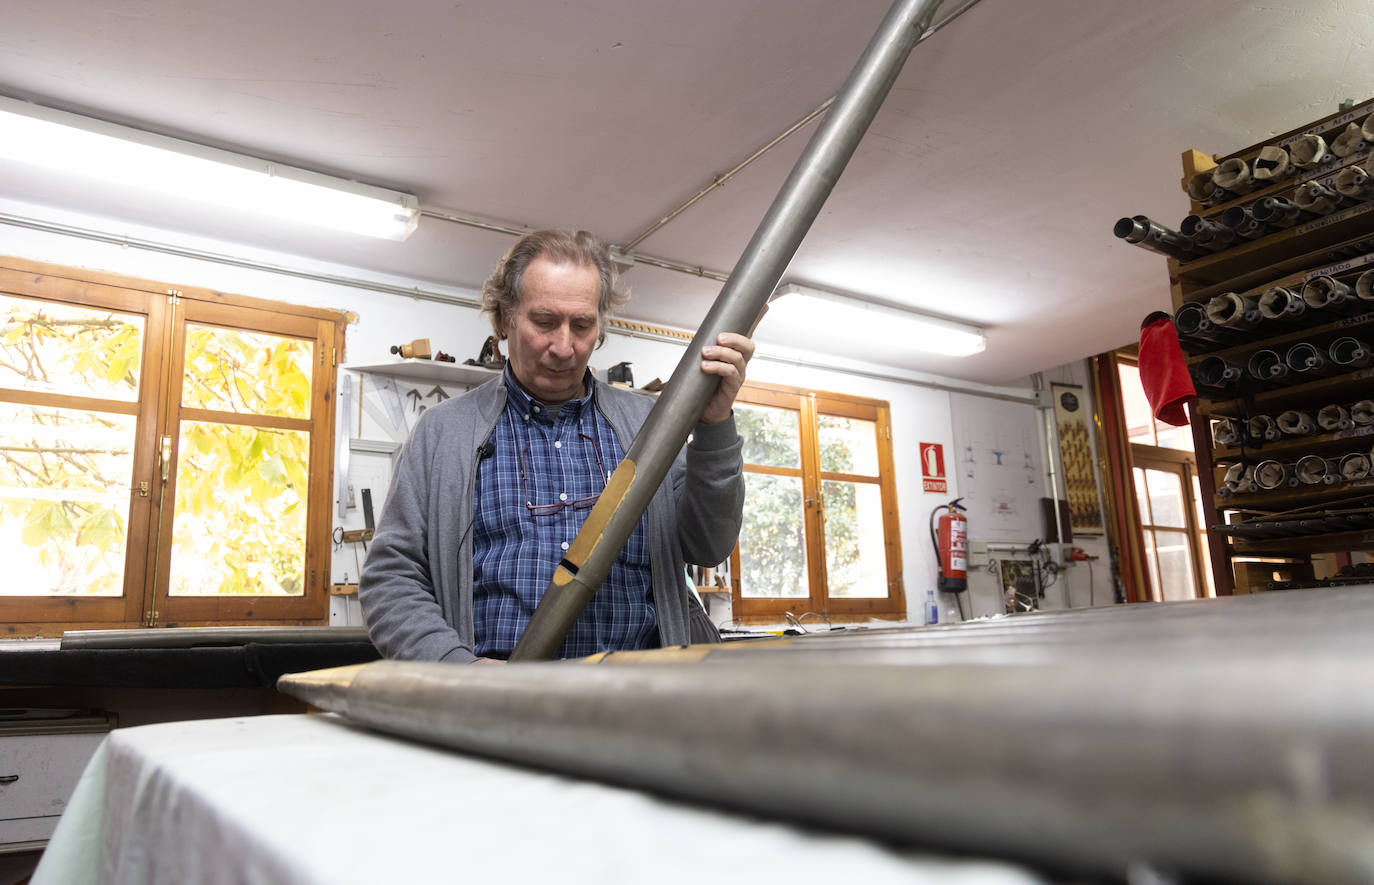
{"x":76,"y":351}
{"x":772,"y":547}
{"x":1166,"y":498}
{"x":1175,"y":566}
{"x":1142,"y":497}
{"x":1171,"y":437}
{"x":1140,"y":421}
{"x":1151,"y":559}
{"x":848,"y":445}
{"x":64,"y":489}
{"x":251,"y":373}
{"x":239,"y":524}
{"x":772,"y":437}
{"x":855,"y":559}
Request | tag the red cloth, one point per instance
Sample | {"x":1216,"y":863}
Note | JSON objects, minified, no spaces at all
{"x":1163,"y":370}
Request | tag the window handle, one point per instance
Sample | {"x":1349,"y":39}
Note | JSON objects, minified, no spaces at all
{"x":166,"y":457}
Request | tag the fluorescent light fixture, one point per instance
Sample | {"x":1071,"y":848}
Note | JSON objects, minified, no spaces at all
{"x":82,"y":146}
{"x":893,"y":325}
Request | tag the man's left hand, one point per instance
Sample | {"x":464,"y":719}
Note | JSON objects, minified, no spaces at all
{"x":726,"y":358}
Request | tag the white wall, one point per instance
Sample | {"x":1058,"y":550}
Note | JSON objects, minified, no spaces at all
{"x":919,"y":412}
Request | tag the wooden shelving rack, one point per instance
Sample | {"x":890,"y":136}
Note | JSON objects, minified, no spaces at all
{"x":1339,"y":245}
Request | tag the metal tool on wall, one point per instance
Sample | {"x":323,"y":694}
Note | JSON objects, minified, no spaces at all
{"x":737,"y":308}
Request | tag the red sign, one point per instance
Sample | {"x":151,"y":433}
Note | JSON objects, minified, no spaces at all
{"x":933,"y":468}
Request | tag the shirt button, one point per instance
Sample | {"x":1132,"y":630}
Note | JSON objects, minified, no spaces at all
{"x":558,"y":444}
{"x":565,"y":545}
{"x":563,"y":497}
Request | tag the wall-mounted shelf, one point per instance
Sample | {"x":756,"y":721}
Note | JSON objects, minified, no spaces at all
{"x":429,"y":370}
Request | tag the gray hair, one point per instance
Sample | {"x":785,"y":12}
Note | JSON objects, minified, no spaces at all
{"x":501,"y":293}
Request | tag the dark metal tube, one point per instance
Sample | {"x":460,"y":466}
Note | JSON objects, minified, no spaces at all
{"x":1192,"y":324}
{"x":1281,"y":303}
{"x":1354,"y":466}
{"x":1267,"y":366}
{"x":1216,"y":373}
{"x":1207,"y":234}
{"x":1327,"y":293}
{"x":1263,"y":427}
{"x":1243,"y":222}
{"x":1270,"y":475}
{"x":1319,"y":199}
{"x":1242,"y":766}
{"x":1142,"y":231}
{"x":1305,"y":358}
{"x":1362,"y":412}
{"x":1276,"y":212}
{"x":1233,"y":311}
{"x":1364,"y":285}
{"x":1349,"y":353}
{"x":736,"y":309}
{"x":198,"y":637}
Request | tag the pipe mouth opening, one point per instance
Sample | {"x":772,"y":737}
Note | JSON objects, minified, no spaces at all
{"x":1277,"y":301}
{"x":1263,"y":364}
{"x":1271,"y":163}
{"x":1125,"y":227}
{"x":1301,"y":357}
{"x":1348,"y":350}
{"x":1233,"y":175}
{"x":1188,"y":318}
{"x":1318,"y":292}
{"x":1364,"y":286}
{"x":1308,"y":151}
{"x":1233,"y":217}
{"x":1190,"y":225}
{"x":1201,"y":187}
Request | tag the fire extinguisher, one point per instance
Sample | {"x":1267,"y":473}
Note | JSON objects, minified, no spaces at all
{"x":951,"y":546}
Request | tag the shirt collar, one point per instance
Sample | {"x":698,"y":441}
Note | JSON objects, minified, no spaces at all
{"x":529,"y":407}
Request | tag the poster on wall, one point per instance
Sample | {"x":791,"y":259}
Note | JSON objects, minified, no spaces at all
{"x":997,"y":457}
{"x":1072,"y":415}
{"x":933,"y":468}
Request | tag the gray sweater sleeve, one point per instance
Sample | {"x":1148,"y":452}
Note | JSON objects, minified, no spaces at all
{"x":710,"y":493}
{"x":397,"y":592}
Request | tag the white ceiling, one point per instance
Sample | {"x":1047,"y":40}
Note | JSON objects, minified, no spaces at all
{"x":985,"y":190}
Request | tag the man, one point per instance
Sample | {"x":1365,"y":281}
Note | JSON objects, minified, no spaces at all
{"x":492,"y":486}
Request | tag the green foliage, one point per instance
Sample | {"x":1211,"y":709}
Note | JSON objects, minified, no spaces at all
{"x":239,"y":523}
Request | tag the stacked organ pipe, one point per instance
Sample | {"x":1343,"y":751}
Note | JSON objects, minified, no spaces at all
{"x":1362,"y":413}
{"x":1271,"y":164}
{"x":1350,"y":141}
{"x":1354,"y":466}
{"x":1216,"y":373}
{"x":1355,"y":183}
{"x":1263,"y":427}
{"x":1205,"y":234}
{"x":1349,"y":353}
{"x":1233,"y":175}
{"x":1267,"y":365}
{"x":1232,"y":311}
{"x":1364,"y":286}
{"x":1295,"y":423}
{"x":1243,"y":222}
{"x":1306,"y":359}
{"x":1276,"y":212}
{"x":1226,"y":433}
{"x":1281,"y":303}
{"x":1328,"y":293}
{"x":1313,"y":470}
{"x":1334,"y":417}
{"x":1142,"y":231}
{"x":1318,"y":199}
{"x":1191,"y":322}
{"x":1308,"y":152}
{"x":1270,"y":475}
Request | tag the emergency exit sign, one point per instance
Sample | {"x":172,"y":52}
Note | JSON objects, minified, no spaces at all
{"x":933,"y":468}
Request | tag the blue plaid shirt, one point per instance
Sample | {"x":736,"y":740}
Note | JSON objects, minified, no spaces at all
{"x":566,"y":457}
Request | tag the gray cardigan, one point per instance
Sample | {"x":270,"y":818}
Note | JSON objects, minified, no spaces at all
{"x":416,"y":586}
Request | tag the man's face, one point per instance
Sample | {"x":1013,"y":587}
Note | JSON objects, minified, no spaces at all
{"x":553,"y":330}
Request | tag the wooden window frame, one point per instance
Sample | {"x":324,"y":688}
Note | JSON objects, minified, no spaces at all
{"x":166,"y":309}
{"x":809,"y":404}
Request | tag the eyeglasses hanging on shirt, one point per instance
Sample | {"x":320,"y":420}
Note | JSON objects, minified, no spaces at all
{"x":537,"y":510}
